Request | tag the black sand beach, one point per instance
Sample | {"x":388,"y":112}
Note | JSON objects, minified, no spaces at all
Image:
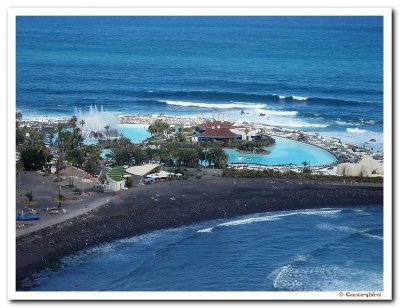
{"x":175,"y":203}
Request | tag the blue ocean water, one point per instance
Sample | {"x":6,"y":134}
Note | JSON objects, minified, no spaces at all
{"x":304,"y":250}
{"x":315,"y":73}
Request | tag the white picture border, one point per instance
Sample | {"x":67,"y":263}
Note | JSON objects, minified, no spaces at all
{"x":386,"y":13}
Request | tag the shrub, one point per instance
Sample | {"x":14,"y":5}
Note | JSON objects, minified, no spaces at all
{"x":29,"y":195}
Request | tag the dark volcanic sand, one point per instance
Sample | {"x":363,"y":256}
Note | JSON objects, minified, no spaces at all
{"x":140,"y":210}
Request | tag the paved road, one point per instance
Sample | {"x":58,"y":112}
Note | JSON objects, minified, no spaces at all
{"x":90,"y":205}
{"x":45,"y":192}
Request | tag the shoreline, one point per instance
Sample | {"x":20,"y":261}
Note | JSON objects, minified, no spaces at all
{"x":175,"y":203}
{"x":343,"y":151}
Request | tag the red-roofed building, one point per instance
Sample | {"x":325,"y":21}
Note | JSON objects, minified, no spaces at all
{"x":215,"y":124}
{"x":219,"y":134}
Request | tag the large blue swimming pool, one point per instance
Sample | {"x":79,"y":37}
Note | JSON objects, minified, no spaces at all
{"x":284,"y":152}
{"x":135,"y":132}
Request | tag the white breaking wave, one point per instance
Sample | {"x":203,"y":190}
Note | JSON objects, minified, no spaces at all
{"x":347,"y":229}
{"x":355,"y":130}
{"x":245,"y":221}
{"x":377,"y":237}
{"x":218,"y":106}
{"x":278,"y":112}
{"x":322,"y":212}
{"x":302,"y":258}
{"x":248,"y":221}
{"x":297,"y":98}
{"x":300,"y":98}
{"x":303,"y":124}
{"x":208,"y":230}
{"x":329,"y":227}
{"x":326,"y":278}
{"x":346,"y":123}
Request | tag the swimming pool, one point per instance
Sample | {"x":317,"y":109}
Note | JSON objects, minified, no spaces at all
{"x":135,"y":132}
{"x":284,"y":152}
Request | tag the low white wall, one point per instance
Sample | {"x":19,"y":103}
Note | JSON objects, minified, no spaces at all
{"x":114,"y":185}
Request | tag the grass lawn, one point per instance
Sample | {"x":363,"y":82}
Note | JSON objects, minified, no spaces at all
{"x":117,"y":173}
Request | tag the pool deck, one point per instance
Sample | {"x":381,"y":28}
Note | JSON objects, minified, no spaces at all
{"x":341,"y":150}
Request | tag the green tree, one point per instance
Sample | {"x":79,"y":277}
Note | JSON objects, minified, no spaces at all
{"x":107,"y":128}
{"x":82,"y":122}
{"x":72,"y":122}
{"x":121,"y":156}
{"x":186,"y":157}
{"x":45,"y":151}
{"x":218,"y":157}
{"x":152,"y":130}
{"x":29,"y":195}
{"x":123,"y":142}
{"x":150,"y":154}
{"x":35,"y":136}
{"x":158,"y":129}
{"x":93,"y":153}
{"x":19,"y":137}
{"x":75,"y":157}
{"x":165,"y":156}
{"x":32,"y":159}
{"x":306,"y":168}
{"x":246,"y":131}
{"x":179,"y":137}
{"x":203,"y":155}
{"x":137,"y":154}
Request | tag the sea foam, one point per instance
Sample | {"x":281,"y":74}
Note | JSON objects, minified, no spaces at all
{"x":292,"y":277}
{"x":239,"y":105}
{"x":355,"y":130}
{"x":278,"y":112}
{"x":300,"y":98}
{"x":272,"y":217}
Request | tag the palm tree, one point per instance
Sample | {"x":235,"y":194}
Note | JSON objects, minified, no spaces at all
{"x":162,"y":127}
{"x":218,"y":157}
{"x":42,"y":148}
{"x":107,"y":127}
{"x":152,"y":130}
{"x":32,"y":135}
{"x":82,"y":122}
{"x":123,"y":142}
{"x":60,"y":144}
{"x":246,"y":131}
{"x":93,"y":152}
{"x":72,"y":122}
{"x":158,"y":128}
